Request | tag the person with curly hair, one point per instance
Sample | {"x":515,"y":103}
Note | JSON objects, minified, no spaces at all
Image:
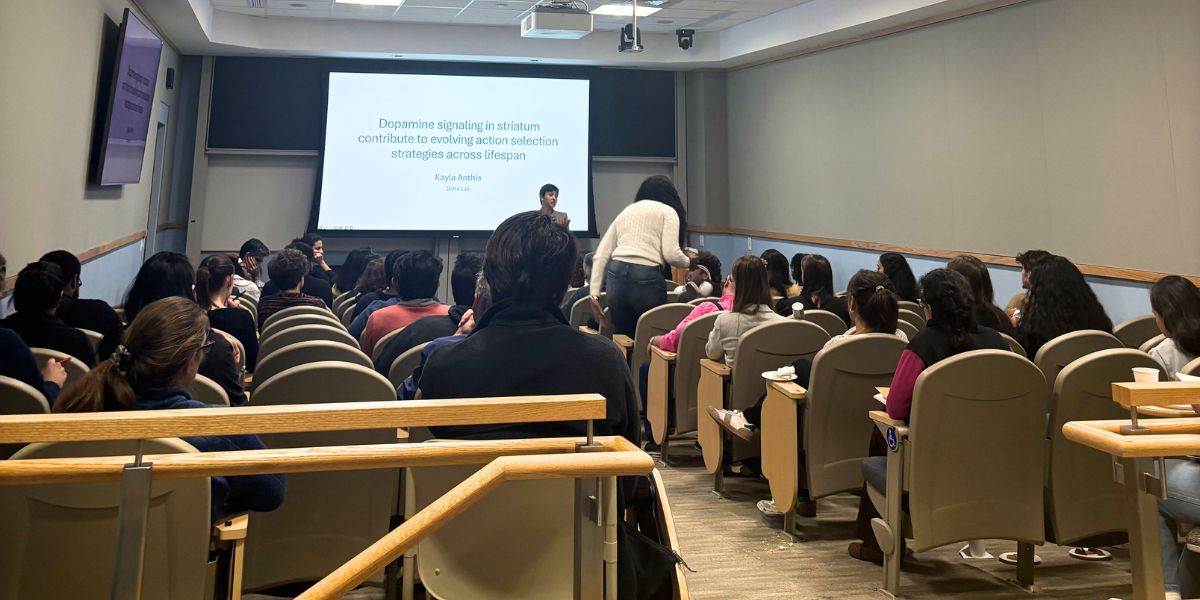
{"x":1060,"y":301}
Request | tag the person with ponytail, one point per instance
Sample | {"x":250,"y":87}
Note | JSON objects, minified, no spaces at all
{"x":163,"y":349}
{"x":818,"y":290}
{"x":951,"y":330}
{"x":17,"y":362}
{"x":214,"y":286}
{"x":170,"y":274}
{"x":36,"y":295}
{"x":1175,"y":302}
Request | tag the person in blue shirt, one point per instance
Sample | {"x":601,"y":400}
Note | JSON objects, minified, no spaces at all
{"x":483,"y":301}
{"x":151,"y":371}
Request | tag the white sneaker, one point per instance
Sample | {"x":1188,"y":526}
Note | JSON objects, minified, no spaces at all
{"x":735,"y":422}
{"x":768,"y":508}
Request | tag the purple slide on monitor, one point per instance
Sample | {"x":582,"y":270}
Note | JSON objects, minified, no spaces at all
{"x":132,"y":103}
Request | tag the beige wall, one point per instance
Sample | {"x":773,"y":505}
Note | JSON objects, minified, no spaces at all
{"x":49,"y":58}
{"x":1072,"y":125}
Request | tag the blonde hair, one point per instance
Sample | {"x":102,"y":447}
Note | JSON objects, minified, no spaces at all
{"x":159,"y":344}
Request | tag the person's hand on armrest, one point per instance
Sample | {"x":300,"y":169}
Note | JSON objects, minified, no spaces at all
{"x":54,"y":372}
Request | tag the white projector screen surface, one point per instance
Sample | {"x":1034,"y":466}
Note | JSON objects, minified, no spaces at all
{"x":451,"y":153}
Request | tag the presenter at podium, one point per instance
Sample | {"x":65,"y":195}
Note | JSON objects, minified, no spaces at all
{"x":549,"y":196}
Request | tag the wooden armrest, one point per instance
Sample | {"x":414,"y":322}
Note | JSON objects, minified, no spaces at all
{"x":401,"y":434}
{"x":586,"y":329}
{"x":233,"y":528}
{"x":717,"y":368}
{"x":1181,"y":410}
{"x":881,"y":417}
{"x":623,"y":340}
{"x":788,"y":389}
{"x":663,"y":354}
{"x":1160,"y":393}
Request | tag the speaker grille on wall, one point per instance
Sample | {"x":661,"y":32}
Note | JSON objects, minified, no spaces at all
{"x":170,"y":78}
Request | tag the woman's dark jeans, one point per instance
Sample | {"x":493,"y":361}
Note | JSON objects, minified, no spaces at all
{"x":632,"y":290}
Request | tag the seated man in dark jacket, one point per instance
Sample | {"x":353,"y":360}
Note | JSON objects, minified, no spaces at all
{"x":462,"y":286}
{"x":313,"y":285}
{"x":522,"y":346}
{"x":85,"y":313}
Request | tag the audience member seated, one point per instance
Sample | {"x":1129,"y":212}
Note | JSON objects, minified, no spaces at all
{"x":463,"y":277}
{"x":986,"y":311}
{"x":951,"y":330}
{"x":36,"y":295}
{"x":85,"y":313}
{"x":751,"y":308}
{"x":1181,"y":508}
{"x":797,"y":267}
{"x":170,"y":274}
{"x":417,"y":274}
{"x":346,"y":278}
{"x":895,"y":266}
{"x":312,"y":285}
{"x":818,"y":291}
{"x":288,"y":271}
{"x":874,"y":308}
{"x":163,"y":349}
{"x":214,"y":285}
{"x":320,"y":268}
{"x":370,"y":302}
{"x":1175,"y":302}
{"x":581,"y":292}
{"x":701,"y":278}
{"x":17,"y":362}
{"x":247,"y":279}
{"x":778,"y":276}
{"x":1028,"y":260}
{"x":523,"y":346}
{"x":373,"y":280}
{"x":483,"y":301}
{"x":1060,"y":301}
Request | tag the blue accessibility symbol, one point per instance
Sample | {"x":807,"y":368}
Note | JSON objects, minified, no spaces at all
{"x":892,"y":441}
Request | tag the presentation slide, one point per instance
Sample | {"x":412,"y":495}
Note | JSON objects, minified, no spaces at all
{"x":444,"y":153}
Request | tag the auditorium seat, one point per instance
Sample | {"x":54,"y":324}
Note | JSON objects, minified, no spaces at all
{"x":1061,"y":351}
{"x":381,"y":345}
{"x":94,"y":337}
{"x":917,"y":319}
{"x":1013,"y":344}
{"x":831,"y":323}
{"x":405,"y":364}
{"x":913,"y":306}
{"x":969,"y":463}
{"x":346,"y":315}
{"x":1192,"y":368}
{"x":241,"y":348}
{"x":764,"y":348}
{"x":1137,"y":331}
{"x":659,"y":320}
{"x":302,"y":319}
{"x":207,"y":391}
{"x":671,"y":384}
{"x":329,"y":517}
{"x":342,"y":300}
{"x":19,"y":398}
{"x":304,"y":333}
{"x":45,"y":559}
{"x":825,"y":457}
{"x":249,"y":307}
{"x":1149,"y":344}
{"x":296,"y":310}
{"x":75,"y":368}
{"x":302,"y":353}
{"x":909,"y":329}
{"x":581,"y":311}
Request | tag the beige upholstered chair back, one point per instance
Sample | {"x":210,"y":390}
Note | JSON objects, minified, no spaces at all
{"x":1084,"y":499}
{"x":1192,"y":368}
{"x":687,"y":370}
{"x":909,"y":329}
{"x":327,"y":518}
{"x":1061,"y":351}
{"x":913,"y":306}
{"x":831,"y":323}
{"x":304,"y":333}
{"x":346,"y":315}
{"x":75,"y":368}
{"x":977,"y":450}
{"x":1149,"y":344}
{"x":93,"y":337}
{"x":915,"y":317}
{"x":58,"y":541}
{"x":278,"y":325}
{"x":840,"y":391}
{"x":292,"y":311}
{"x":531,"y":521}
{"x":342,"y":301}
{"x":207,"y":391}
{"x":1137,"y":331}
{"x":302,"y":353}
{"x":766,"y":348}
{"x":1013,"y":344}
{"x":656,"y":321}
{"x":19,"y":398}
{"x":381,"y":345}
{"x":405,"y":364}
{"x":581,"y":311}
{"x":249,"y":307}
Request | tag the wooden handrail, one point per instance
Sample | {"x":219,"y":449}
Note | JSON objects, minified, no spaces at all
{"x":1167,"y":437}
{"x":291,"y":460}
{"x":340,"y":416}
{"x":467,"y":493}
{"x":1158,"y":393}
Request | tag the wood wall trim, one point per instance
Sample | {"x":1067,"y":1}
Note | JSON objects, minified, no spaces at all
{"x":85,"y":256}
{"x":1118,"y":273}
{"x":170,"y":226}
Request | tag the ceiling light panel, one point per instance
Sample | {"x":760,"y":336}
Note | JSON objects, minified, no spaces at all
{"x":623,"y":9}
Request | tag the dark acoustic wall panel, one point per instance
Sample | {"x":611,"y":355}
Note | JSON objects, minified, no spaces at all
{"x":279,"y":103}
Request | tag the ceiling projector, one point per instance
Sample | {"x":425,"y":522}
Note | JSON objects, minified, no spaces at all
{"x":556,"y":22}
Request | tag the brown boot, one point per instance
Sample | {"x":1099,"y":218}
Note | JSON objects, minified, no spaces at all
{"x":865,"y":553}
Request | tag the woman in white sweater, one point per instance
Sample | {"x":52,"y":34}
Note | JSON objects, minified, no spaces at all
{"x":628,"y":262}
{"x":1175,"y":303}
{"x":751,"y":308}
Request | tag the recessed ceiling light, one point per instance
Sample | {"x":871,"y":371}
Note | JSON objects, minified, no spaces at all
{"x":623,"y":9}
{"x":372,"y":2}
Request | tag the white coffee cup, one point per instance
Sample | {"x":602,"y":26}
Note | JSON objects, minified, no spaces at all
{"x":1145,"y":374}
{"x":798,"y":311}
